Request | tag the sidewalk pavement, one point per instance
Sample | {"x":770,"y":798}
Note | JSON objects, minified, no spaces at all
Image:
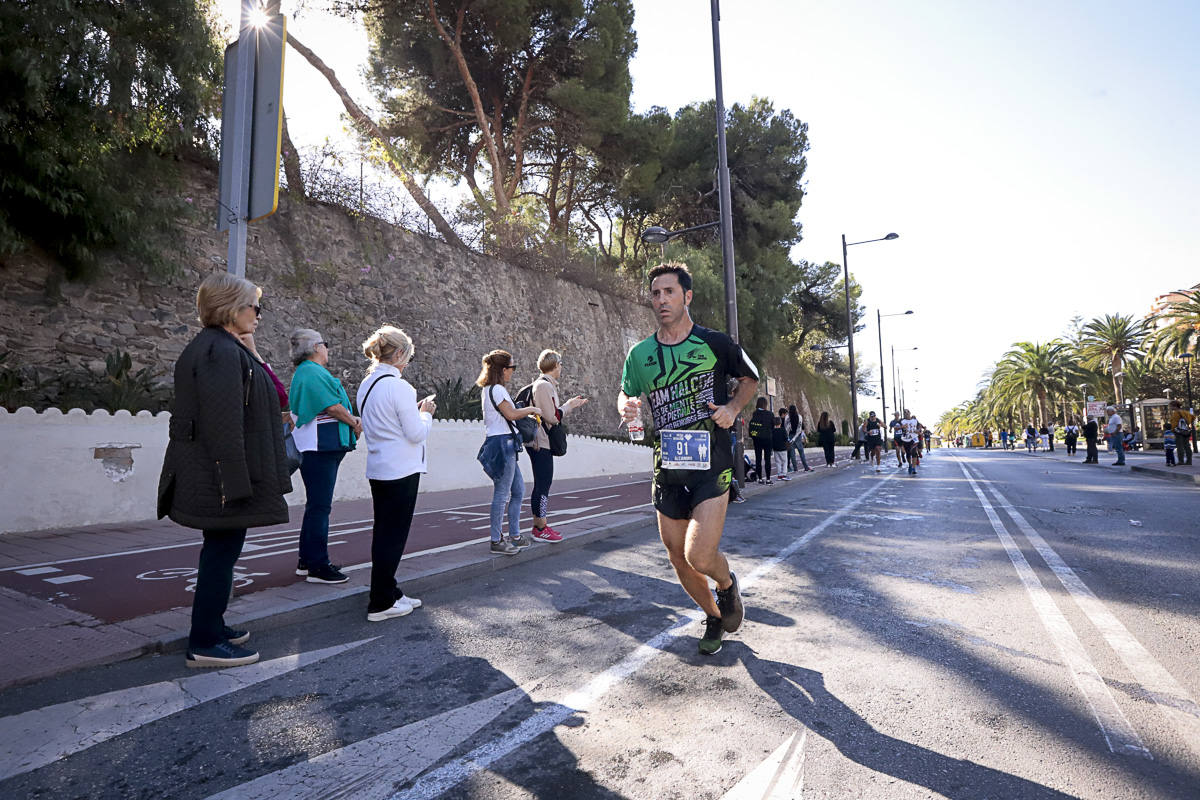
{"x":1152,"y":462}
{"x":40,"y":639}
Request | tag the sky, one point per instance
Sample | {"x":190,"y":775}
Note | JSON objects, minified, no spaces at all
{"x":1037,"y":159}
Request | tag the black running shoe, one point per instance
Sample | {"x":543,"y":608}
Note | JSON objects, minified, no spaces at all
{"x":326,"y":574}
{"x":710,"y":642}
{"x":729,"y":601}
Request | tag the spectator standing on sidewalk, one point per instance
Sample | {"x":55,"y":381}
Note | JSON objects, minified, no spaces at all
{"x":860,"y":435}
{"x":501,"y":445}
{"x":396,"y":428}
{"x":247,"y":340}
{"x":1169,"y":443}
{"x":1050,"y":434}
{"x":1115,"y":436}
{"x":827,"y":437}
{"x":762,"y":421}
{"x":779,"y":446}
{"x":1183,"y":422}
{"x":1003,"y":439}
{"x":225,"y":469}
{"x":796,"y":436}
{"x":325,"y":431}
{"x":1091,"y":435}
{"x":1071,"y":436}
{"x":541,"y":459}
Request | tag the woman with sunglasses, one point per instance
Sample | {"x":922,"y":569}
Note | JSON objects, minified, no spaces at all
{"x":501,"y":445}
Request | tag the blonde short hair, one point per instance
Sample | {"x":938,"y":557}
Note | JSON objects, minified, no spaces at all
{"x":548,"y":360}
{"x":385,"y":344}
{"x":221,"y":296}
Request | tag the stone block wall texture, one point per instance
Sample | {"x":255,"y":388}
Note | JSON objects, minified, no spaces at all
{"x":79,"y":469}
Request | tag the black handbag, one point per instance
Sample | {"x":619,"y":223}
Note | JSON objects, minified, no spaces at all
{"x":291,"y":452}
{"x":525,"y":428}
{"x":557,"y":434}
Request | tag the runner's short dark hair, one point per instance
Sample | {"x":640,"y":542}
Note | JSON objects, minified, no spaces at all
{"x":678,"y":269}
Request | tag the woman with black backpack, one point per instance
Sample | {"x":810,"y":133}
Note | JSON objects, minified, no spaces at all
{"x":501,"y":444}
{"x":543,"y":395}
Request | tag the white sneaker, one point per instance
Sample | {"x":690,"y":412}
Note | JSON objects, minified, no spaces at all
{"x":412,"y":601}
{"x":400,"y":609}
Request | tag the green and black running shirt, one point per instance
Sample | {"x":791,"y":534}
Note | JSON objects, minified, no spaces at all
{"x":680,"y":380}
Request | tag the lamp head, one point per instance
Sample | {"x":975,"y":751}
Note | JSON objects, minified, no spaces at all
{"x":908,"y":312}
{"x":1187,"y":356}
{"x":891,"y":236}
{"x":656,"y":234}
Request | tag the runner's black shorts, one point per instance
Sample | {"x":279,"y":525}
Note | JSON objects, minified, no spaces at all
{"x":913,"y":449}
{"x":677,"y":500}
{"x":873,"y":442}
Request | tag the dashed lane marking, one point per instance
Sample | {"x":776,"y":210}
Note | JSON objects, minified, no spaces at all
{"x":38,"y":737}
{"x":780,"y":777}
{"x":370,"y":769}
{"x":1118,"y":734}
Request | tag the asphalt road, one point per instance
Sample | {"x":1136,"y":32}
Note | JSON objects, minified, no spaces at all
{"x":997,"y":627}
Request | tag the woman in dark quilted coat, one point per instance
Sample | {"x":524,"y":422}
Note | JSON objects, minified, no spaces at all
{"x":225,"y":468}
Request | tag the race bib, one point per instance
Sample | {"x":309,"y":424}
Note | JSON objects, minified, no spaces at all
{"x":685,"y":449}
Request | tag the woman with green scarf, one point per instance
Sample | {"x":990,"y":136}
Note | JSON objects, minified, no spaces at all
{"x":325,"y":432}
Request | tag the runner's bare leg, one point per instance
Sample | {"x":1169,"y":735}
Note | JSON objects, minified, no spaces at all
{"x":693,"y":547}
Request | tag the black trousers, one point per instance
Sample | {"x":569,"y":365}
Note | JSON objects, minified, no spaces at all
{"x":1184,"y":445}
{"x":1093,"y":453}
{"x":542,"y":462}
{"x":829,"y":457}
{"x":762,"y":459}
{"x":214,"y":582}
{"x":393,"y":503}
{"x":1071,"y":445}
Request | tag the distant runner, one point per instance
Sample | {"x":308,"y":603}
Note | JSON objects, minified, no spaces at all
{"x":684,"y":370}
{"x":911,"y":437}
{"x":874,"y":430}
{"x":897,"y":438}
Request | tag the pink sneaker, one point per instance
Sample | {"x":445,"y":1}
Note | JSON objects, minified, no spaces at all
{"x":547,"y":534}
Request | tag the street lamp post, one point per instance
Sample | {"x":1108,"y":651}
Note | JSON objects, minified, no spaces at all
{"x":849,"y":318}
{"x":1187,"y":371}
{"x":896,"y":378}
{"x":882,"y":386}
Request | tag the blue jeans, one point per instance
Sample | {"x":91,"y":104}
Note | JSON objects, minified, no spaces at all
{"x":508,"y":490}
{"x":319,"y":471}
{"x":1118,"y":447}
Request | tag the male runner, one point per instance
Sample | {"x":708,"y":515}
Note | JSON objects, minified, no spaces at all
{"x":897,"y":438}
{"x":684,"y":370}
{"x":874,"y":429}
{"x":911,"y":437}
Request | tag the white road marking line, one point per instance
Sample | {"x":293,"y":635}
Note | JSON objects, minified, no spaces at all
{"x":68,"y":579}
{"x":370,"y":768}
{"x":197,"y":543}
{"x":38,"y":737}
{"x":289,"y":551}
{"x":440,"y":780}
{"x":1118,"y":734}
{"x":38,"y":571}
{"x":278,"y":540}
{"x":1167,"y":693}
{"x":586,"y":517}
{"x":780,"y":777}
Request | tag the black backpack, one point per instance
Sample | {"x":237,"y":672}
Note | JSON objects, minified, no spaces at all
{"x":524,"y":398}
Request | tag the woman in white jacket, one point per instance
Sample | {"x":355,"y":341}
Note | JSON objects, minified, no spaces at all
{"x":396,"y":428}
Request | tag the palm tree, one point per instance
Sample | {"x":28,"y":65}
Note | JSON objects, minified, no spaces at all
{"x":1030,"y":372}
{"x":1178,"y":326}
{"x":1110,"y":341}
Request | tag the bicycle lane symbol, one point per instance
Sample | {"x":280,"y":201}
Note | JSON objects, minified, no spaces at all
{"x":240,"y":579}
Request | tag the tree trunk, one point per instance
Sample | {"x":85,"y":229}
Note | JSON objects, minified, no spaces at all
{"x":369,"y":127}
{"x":291,"y":164}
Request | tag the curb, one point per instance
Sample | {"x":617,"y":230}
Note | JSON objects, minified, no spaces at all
{"x":1170,"y":476}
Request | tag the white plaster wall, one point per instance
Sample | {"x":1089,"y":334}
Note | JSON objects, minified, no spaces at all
{"x":51,"y":477}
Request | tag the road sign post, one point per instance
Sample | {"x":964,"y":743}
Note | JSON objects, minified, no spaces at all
{"x":251,"y":129}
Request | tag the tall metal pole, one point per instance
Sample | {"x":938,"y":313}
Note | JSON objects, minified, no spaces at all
{"x":731,"y":317}
{"x":882,"y":385}
{"x":895,"y":381}
{"x":247,"y":48}
{"x":726,"y":208}
{"x":849,"y":334}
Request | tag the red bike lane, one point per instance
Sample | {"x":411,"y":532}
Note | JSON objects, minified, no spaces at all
{"x":118,"y":583}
